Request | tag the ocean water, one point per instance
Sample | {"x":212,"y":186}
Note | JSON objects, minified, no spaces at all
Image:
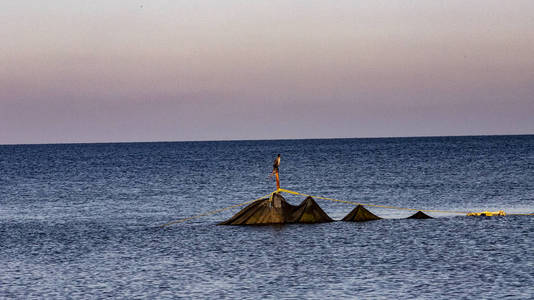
{"x":82,"y":220}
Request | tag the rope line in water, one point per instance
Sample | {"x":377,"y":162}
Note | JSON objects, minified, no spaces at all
{"x":214,"y":211}
{"x":270,"y":196}
{"x":372,"y":205}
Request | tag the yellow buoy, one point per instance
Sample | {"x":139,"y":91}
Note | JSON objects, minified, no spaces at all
{"x":488,"y":213}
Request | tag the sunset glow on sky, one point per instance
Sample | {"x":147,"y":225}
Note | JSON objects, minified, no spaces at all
{"x":102,"y":71}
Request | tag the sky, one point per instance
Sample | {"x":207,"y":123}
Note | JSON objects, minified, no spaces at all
{"x":119,"y":71}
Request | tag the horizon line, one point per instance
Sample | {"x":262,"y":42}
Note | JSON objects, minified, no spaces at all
{"x":252,"y":140}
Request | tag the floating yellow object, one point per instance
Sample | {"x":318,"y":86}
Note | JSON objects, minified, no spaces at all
{"x":488,"y":213}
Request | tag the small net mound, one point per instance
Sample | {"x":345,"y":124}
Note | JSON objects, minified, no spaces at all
{"x":419,"y":215}
{"x":309,"y":212}
{"x":278,"y":211}
{"x":360,"y":214}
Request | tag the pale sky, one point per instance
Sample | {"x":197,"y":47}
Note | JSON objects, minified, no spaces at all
{"x":104,"y":71}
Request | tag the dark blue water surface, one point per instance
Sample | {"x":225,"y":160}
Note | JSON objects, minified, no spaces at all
{"x":81,"y":220}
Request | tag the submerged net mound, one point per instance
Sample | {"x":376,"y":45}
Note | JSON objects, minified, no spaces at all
{"x":309,"y":212}
{"x":279,"y":211}
{"x":263,"y":211}
{"x":360,"y":214}
{"x":420,"y":215}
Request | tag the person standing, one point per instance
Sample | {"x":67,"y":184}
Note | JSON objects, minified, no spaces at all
{"x":276,"y":164}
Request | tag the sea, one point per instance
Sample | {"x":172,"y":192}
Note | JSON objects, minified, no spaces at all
{"x":83,"y":221}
